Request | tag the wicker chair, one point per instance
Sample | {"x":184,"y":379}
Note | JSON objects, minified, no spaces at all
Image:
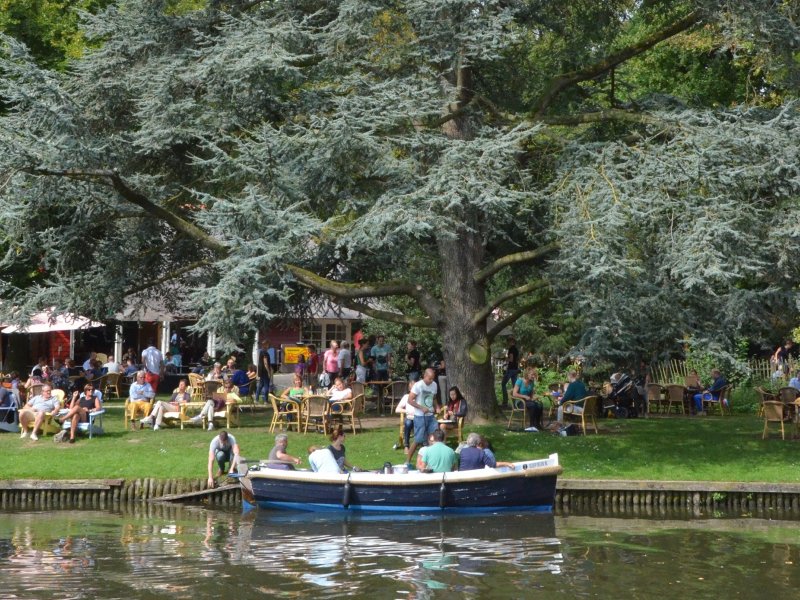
{"x":317,"y":408}
{"x":518,"y":411}
{"x":676,"y":395}
{"x":722,"y":402}
{"x":281,"y":416}
{"x":347,"y":412}
{"x":111,"y":385}
{"x":773,"y":413}
{"x":655,"y":397}
{"x":590,"y":404}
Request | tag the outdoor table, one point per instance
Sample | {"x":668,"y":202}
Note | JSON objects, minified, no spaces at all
{"x":381,"y":389}
{"x":688,"y":399}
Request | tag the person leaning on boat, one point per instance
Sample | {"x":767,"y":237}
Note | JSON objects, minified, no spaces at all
{"x":223,"y":450}
{"x":278,"y":457}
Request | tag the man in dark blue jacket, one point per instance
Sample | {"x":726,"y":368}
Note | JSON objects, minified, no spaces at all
{"x":718,"y":382}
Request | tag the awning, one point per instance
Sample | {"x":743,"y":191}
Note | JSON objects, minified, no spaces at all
{"x":47,"y":321}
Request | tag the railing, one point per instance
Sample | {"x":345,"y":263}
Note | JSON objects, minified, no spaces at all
{"x":675,"y":371}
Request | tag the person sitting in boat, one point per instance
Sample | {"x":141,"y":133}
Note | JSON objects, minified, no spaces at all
{"x":321,"y":460}
{"x":486,"y":446}
{"x":223,"y":450}
{"x":472,"y":455}
{"x":278,"y":457}
{"x":339,"y":391}
{"x":456,"y":409}
{"x":438,"y":457}
{"x":338,"y":450}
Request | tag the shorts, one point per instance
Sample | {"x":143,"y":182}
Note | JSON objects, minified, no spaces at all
{"x":423,"y":427}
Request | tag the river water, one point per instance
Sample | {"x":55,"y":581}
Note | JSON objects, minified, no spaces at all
{"x":184,"y":552}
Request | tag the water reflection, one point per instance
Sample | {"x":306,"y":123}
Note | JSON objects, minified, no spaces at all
{"x":179,"y":552}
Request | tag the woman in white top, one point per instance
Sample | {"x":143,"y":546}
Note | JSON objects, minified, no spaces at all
{"x":408,"y":421}
{"x":339,"y":392}
{"x":215,"y":373}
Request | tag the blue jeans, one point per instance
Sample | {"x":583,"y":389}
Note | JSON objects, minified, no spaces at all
{"x":698,"y":400}
{"x":509,"y":375}
{"x":423,"y":427}
{"x":222,"y":457}
{"x":408,"y":426}
{"x":262,"y":385}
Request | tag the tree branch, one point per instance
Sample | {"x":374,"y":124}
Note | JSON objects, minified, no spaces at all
{"x":510,"y":319}
{"x":590,"y":72}
{"x":352,"y":291}
{"x":114,"y":180}
{"x":612,"y":114}
{"x":172,"y":275}
{"x":511,"y":259}
{"x":343,"y":290}
{"x":386,"y":315}
{"x":507,"y":295}
{"x":450,"y":115}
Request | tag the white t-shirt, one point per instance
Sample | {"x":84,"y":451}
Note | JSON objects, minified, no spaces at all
{"x":111,"y":367}
{"x":424,"y":395}
{"x":152,"y":358}
{"x":402,"y":406}
{"x":339,"y":395}
{"x":322,"y":461}
{"x":216,"y":444}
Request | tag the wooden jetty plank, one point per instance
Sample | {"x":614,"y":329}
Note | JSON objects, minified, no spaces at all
{"x":198,"y":494}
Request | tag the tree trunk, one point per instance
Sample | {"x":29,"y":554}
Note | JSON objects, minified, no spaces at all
{"x":461,"y":300}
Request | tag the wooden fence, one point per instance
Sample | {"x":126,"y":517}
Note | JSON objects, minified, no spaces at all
{"x":675,"y":371}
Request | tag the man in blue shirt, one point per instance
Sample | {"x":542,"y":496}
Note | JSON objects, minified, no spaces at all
{"x":472,"y":456}
{"x":718,"y":382}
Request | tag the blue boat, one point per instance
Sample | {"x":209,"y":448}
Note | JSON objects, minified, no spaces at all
{"x":529,"y":485}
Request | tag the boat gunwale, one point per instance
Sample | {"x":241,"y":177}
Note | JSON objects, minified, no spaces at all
{"x":405,"y":479}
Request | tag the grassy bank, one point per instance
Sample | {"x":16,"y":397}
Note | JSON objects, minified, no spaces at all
{"x":674,"y":448}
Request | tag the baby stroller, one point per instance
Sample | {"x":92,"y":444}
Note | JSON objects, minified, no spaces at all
{"x":624,"y":399}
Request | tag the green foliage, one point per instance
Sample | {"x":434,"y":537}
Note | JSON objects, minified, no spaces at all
{"x":203,"y":145}
{"x":49,"y":28}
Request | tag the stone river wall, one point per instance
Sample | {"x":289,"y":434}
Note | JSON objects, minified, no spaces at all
{"x":573,"y":495}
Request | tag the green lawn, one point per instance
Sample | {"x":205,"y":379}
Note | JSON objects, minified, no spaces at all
{"x":674,"y":448}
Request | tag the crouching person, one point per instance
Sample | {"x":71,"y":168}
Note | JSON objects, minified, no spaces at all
{"x":223,"y":450}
